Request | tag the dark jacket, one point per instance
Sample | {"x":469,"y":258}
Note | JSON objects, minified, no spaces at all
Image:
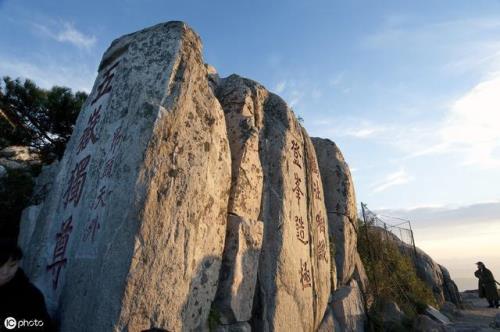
{"x":487,"y":286}
{"x":21,"y":300}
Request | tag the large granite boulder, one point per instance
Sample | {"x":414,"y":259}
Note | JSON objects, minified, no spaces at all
{"x":431,"y":273}
{"x":131,"y":235}
{"x":329,"y":323}
{"x":238,"y":274}
{"x":450,"y":289}
{"x":41,"y":188}
{"x":21,"y":158}
{"x":276,"y":180}
{"x":340,"y":203}
{"x":424,"y":323}
{"x":435,"y":276}
{"x":349,"y":308}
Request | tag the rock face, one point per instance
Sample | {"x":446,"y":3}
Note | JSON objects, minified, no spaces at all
{"x":425,"y":324}
{"x":340,"y":203}
{"x":42,"y":186}
{"x":134,"y":225}
{"x":450,"y":289}
{"x":430,"y":273}
{"x":348,"y":308}
{"x":238,"y":273}
{"x":351,"y":291}
{"x":434,"y":275}
{"x":329,"y":324}
{"x":21,"y":158}
{"x":275,"y":179}
{"x":182,"y":193}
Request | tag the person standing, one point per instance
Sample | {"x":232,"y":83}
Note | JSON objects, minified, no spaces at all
{"x":487,"y":287}
{"x":20,"y":300}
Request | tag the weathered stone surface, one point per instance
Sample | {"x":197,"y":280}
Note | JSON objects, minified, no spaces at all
{"x":269,"y":147}
{"x":450,"y":289}
{"x":21,"y":158}
{"x":329,"y":324}
{"x":497,"y":320}
{"x":431,"y":273}
{"x":44,"y":182}
{"x":450,"y":310}
{"x":3,"y":171}
{"x":238,"y":274}
{"x":428,"y":270}
{"x":243,"y":104}
{"x":360,"y":274}
{"x":425,"y":324}
{"x":131,"y":235}
{"x":391,"y":313}
{"x":20,"y":153}
{"x":340,"y":197}
{"x":288,"y":270}
{"x":441,"y":284}
{"x":340,"y":203}
{"x":436,"y":315}
{"x":236,"y":327}
{"x":348,"y":307}
{"x":27,"y":225}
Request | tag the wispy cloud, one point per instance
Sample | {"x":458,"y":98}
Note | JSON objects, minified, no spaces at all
{"x":336,"y":80}
{"x":471,"y":128}
{"x":50,"y":73}
{"x":458,"y":46}
{"x":66,"y":32}
{"x":352,"y":128}
{"x":394,"y":179}
{"x":280,"y":86}
{"x":363,"y":132}
{"x":292,"y":90}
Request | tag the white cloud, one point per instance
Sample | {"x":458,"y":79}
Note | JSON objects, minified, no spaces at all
{"x":473,"y":124}
{"x":336,"y":80}
{"x":65,"y":32}
{"x":50,"y":73}
{"x":280,"y":87}
{"x":363,"y":132}
{"x":471,"y":128}
{"x":394,"y":179}
{"x":360,"y":129}
{"x":458,"y":46}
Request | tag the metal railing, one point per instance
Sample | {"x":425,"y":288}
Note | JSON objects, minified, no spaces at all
{"x":402,"y":230}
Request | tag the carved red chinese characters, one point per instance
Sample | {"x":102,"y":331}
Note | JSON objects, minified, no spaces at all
{"x":321,"y":251}
{"x":89,"y":133}
{"x":320,"y":224}
{"x":305,"y":275}
{"x":298,"y":192}
{"x":76,"y":182}
{"x":296,"y":154}
{"x":301,"y":230}
{"x":91,"y":229}
{"x":105,"y":86}
{"x":58,"y":258}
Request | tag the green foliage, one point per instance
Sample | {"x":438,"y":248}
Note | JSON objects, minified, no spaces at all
{"x":32,"y":116}
{"x":213,"y":319}
{"x":392,"y":274}
{"x":15,"y":193}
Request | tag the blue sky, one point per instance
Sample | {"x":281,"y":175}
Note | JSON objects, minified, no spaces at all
{"x":410,"y":92}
